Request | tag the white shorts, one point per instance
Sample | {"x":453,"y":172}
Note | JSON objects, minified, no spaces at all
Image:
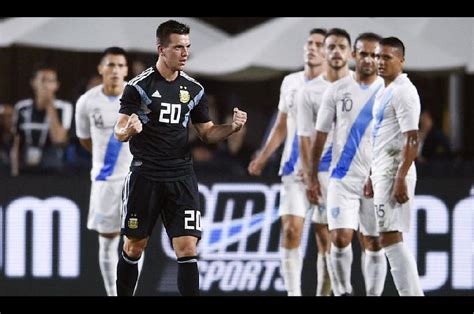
{"x":390,"y":215}
{"x":293,"y":200}
{"x":104,"y":206}
{"x":349,"y":209}
{"x":319,"y":212}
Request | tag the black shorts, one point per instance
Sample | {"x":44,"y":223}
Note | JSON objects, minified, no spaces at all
{"x":144,"y":200}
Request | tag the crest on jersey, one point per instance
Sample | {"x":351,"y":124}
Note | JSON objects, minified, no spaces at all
{"x":133,"y":223}
{"x":184,"y":96}
{"x":97,"y":117}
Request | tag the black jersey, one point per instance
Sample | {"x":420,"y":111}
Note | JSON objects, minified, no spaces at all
{"x":161,"y":151}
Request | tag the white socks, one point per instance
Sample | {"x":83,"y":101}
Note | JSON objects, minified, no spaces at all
{"x":341,"y":262}
{"x":334,"y":283}
{"x":291,"y":270}
{"x":362,"y":262}
{"x":323,"y":287}
{"x":375,"y":272}
{"x":404,"y":270}
{"x":108,"y":259}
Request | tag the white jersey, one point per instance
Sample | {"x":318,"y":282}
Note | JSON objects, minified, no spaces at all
{"x":396,"y":111}
{"x":349,"y":104}
{"x":96,"y":115}
{"x":309,"y":102}
{"x":291,"y":85}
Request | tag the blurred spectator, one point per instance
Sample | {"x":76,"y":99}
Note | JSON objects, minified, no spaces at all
{"x":434,"y":144}
{"x":41,"y":126}
{"x":6,"y":136}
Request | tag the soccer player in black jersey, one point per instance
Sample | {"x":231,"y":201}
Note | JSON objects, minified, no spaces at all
{"x":155,"y":112}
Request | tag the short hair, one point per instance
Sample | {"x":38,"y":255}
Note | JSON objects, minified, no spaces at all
{"x":42,"y":66}
{"x":393,"y":42}
{"x":367,"y":36}
{"x":169,"y":27}
{"x":339,"y":32}
{"x":113,"y":51}
{"x":320,"y":31}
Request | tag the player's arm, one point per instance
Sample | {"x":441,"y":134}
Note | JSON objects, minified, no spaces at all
{"x":407,"y":108}
{"x":304,"y":121}
{"x":58,"y":133}
{"x":15,"y":149}
{"x":326,"y":116}
{"x":368,"y":187}
{"x":211,"y":133}
{"x":274,"y":140}
{"x":314,"y":190}
{"x":86,"y":143}
{"x":410,"y":150}
{"x":127,"y":126}
{"x":15,"y":156}
{"x":305,"y":155}
{"x":83,"y":127}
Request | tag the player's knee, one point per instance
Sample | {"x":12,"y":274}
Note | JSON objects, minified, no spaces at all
{"x":341,"y":239}
{"x":185,"y":250}
{"x":373,"y":244}
{"x":390,"y":238}
{"x":133,"y":250}
{"x":291,"y":233}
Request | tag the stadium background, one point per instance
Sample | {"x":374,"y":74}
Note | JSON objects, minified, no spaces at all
{"x":239,"y":257}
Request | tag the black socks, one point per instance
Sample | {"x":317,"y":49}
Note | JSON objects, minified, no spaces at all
{"x":127,"y":274}
{"x":188,"y":276}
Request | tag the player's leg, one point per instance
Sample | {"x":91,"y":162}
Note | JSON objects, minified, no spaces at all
{"x":104,"y":217}
{"x":323,"y":241}
{"x":139,"y":214}
{"x":360,"y":237}
{"x":108,"y":259}
{"x":127,"y":268}
{"x":392,"y":220}
{"x":188,"y":274}
{"x":375,"y":263}
{"x":290,"y":253}
{"x":293,"y":207}
{"x":321,"y":232}
{"x":343,"y":219}
{"x":182,"y":219}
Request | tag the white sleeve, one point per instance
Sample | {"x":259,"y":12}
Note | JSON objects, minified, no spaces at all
{"x":282,"y":105}
{"x":407,"y":108}
{"x":327,"y":111}
{"x":83,"y":129}
{"x":304,"y":113}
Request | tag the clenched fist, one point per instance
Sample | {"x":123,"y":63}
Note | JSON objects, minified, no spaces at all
{"x":239,"y":119}
{"x":134,"y":125}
